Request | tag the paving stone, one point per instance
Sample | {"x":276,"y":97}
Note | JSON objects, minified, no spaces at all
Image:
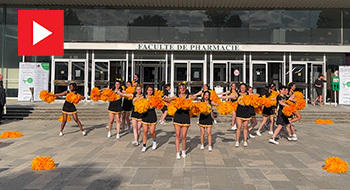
{"x":95,"y":162}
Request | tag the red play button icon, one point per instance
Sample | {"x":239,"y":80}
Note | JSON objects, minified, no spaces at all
{"x":40,"y":32}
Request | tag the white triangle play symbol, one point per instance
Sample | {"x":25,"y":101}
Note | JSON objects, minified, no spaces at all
{"x":39,"y":33}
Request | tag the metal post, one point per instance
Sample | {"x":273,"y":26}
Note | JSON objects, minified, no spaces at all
{"x":86,"y":77}
{"x":166,"y":68}
{"x":53,"y":74}
{"x":244,"y":68}
{"x":290,"y":68}
{"x":172,"y":73}
{"x":325,"y":74}
{"x":250,"y":70}
{"x":93,"y":69}
{"x":284,"y":69}
{"x":3,"y":41}
{"x":211,"y":70}
{"x":132,"y":66}
{"x":126,"y":78}
{"x":205,"y":69}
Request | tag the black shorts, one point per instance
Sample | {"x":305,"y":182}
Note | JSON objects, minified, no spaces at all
{"x":282,"y":120}
{"x":268,"y":111}
{"x":149,"y":117}
{"x":318,"y":91}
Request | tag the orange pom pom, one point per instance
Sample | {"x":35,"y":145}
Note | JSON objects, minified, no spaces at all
{"x":171,"y":109}
{"x":214,"y":97}
{"x":47,"y":96}
{"x":141,"y":105}
{"x":43,"y":163}
{"x":289,"y":110}
{"x":158,"y":93}
{"x":11,"y":134}
{"x":335,"y":165}
{"x":225,"y":108}
{"x":156,"y":102}
{"x":95,"y":94}
{"x":258,"y":110}
{"x":187,"y":104}
{"x":60,"y":119}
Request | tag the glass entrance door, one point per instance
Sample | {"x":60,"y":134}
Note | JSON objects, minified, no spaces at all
{"x":316,"y":71}
{"x":275,"y":73}
{"x":299,"y":76}
{"x":70,"y":70}
{"x":260,"y":76}
{"x":221,"y":73}
{"x":190,"y":71}
{"x":151,"y":73}
{"x":196,"y":76}
{"x":61,"y":75}
{"x":236,"y":72}
{"x":101,"y":74}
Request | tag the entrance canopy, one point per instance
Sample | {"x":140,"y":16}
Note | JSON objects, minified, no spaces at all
{"x":191,"y":4}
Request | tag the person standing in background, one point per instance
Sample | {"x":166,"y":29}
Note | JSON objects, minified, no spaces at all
{"x":2,"y":97}
{"x":318,"y":87}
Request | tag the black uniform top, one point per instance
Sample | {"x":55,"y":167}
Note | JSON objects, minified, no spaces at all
{"x":233,"y":92}
{"x":166,"y":92}
{"x":319,"y":82}
{"x":280,"y":106}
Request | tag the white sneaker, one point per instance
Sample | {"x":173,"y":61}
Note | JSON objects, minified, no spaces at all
{"x":109,"y":134}
{"x":183,"y":154}
{"x":135,"y":143}
{"x":202,"y":146}
{"x":143,"y":149}
{"x":154,"y":145}
{"x":289,"y":138}
{"x":294,"y":138}
{"x":117,"y":136}
{"x":215,"y":122}
{"x":234,"y":127}
{"x":210,"y":148}
{"x":107,"y":127}
{"x":258,"y":133}
{"x":237,"y":144}
{"x":251,"y":136}
{"x":245,"y":144}
{"x":84,"y":133}
{"x":273,"y":141}
{"x":61,"y":134}
{"x":270,"y":132}
{"x":178,"y":156}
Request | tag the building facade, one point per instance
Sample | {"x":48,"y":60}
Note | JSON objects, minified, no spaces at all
{"x":198,"y":42}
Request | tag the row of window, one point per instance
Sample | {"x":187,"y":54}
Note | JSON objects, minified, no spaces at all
{"x":204,"y":26}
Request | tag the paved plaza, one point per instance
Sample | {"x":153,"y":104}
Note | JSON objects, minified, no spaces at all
{"x":95,"y":162}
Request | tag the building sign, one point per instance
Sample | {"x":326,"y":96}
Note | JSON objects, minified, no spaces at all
{"x":344,"y":89}
{"x":189,"y":47}
{"x":33,"y":78}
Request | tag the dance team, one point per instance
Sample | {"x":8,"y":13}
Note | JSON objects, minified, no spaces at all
{"x":133,"y":105}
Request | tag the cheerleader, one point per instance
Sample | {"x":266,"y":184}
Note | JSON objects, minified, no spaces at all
{"x":136,"y":118}
{"x":149,"y":120}
{"x":282,"y":120}
{"x":69,"y":108}
{"x":206,"y":121}
{"x":114,"y":109}
{"x":165,"y":108}
{"x":232,"y":95}
{"x":181,"y":122}
{"x":268,"y":113}
{"x":253,"y":121}
{"x":292,"y":136}
{"x":127,"y":106}
{"x":243,"y":116}
{"x":201,"y":93}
